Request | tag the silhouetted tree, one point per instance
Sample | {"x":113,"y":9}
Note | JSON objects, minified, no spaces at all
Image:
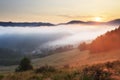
{"x":24,"y":65}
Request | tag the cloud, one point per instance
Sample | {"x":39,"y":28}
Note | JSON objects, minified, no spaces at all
{"x":72,"y":16}
{"x":78,"y":16}
{"x":25,"y":37}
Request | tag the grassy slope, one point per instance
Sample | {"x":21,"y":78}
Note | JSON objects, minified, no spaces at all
{"x":72,"y":58}
{"x":101,"y":71}
{"x":77,"y":58}
{"x":61,"y":59}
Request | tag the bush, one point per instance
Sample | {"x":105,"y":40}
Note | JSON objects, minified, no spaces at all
{"x":1,"y":77}
{"x":24,"y":65}
{"x":83,"y":46}
{"x":95,"y":73}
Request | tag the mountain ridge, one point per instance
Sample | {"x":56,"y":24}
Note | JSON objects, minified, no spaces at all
{"x":25,"y":24}
{"x":37,"y":24}
{"x":115,"y":21}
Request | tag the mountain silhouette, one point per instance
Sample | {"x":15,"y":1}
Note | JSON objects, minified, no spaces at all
{"x":25,"y":24}
{"x":75,"y":22}
{"x":37,"y":24}
{"x":116,"y":21}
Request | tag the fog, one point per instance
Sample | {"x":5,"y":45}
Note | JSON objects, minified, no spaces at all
{"x":22,"y":37}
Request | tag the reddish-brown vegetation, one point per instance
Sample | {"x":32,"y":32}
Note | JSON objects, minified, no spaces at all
{"x":106,"y":42}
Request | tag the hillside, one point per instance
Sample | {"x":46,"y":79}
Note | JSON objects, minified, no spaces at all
{"x":75,"y":64}
{"x":104,"y":67}
{"x":72,"y":58}
{"x":75,"y":58}
{"x":106,"y":42}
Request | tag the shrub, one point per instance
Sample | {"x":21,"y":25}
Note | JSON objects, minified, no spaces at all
{"x":95,"y":73}
{"x":24,"y":65}
{"x":83,"y":46}
{"x":1,"y":77}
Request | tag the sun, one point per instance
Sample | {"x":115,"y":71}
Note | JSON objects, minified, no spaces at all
{"x":98,"y":19}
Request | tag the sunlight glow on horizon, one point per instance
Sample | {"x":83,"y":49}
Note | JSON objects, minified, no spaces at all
{"x":98,"y":19}
{"x":58,"y":11}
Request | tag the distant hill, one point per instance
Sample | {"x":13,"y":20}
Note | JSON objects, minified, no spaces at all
{"x":116,"y":22}
{"x":107,"y":42}
{"x":75,"y":22}
{"x":82,"y":22}
{"x":36,"y":24}
{"x":25,"y":24}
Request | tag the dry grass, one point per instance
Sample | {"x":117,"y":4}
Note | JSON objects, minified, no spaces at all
{"x":101,"y":71}
{"x":72,"y":58}
{"x":75,"y":58}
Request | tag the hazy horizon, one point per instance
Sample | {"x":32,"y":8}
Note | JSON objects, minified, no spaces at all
{"x":58,"y":11}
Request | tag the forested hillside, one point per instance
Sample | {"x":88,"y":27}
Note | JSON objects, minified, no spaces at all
{"x":107,"y":42}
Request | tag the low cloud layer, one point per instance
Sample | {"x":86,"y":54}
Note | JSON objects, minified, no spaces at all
{"x":49,"y":36}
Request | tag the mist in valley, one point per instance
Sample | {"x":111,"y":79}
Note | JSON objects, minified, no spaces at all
{"x":28,"y":39}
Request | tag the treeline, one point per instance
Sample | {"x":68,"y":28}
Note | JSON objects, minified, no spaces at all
{"x":50,"y":51}
{"x":106,"y":42}
{"x":12,"y":57}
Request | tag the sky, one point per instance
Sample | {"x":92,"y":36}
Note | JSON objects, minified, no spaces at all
{"x":58,"y":11}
